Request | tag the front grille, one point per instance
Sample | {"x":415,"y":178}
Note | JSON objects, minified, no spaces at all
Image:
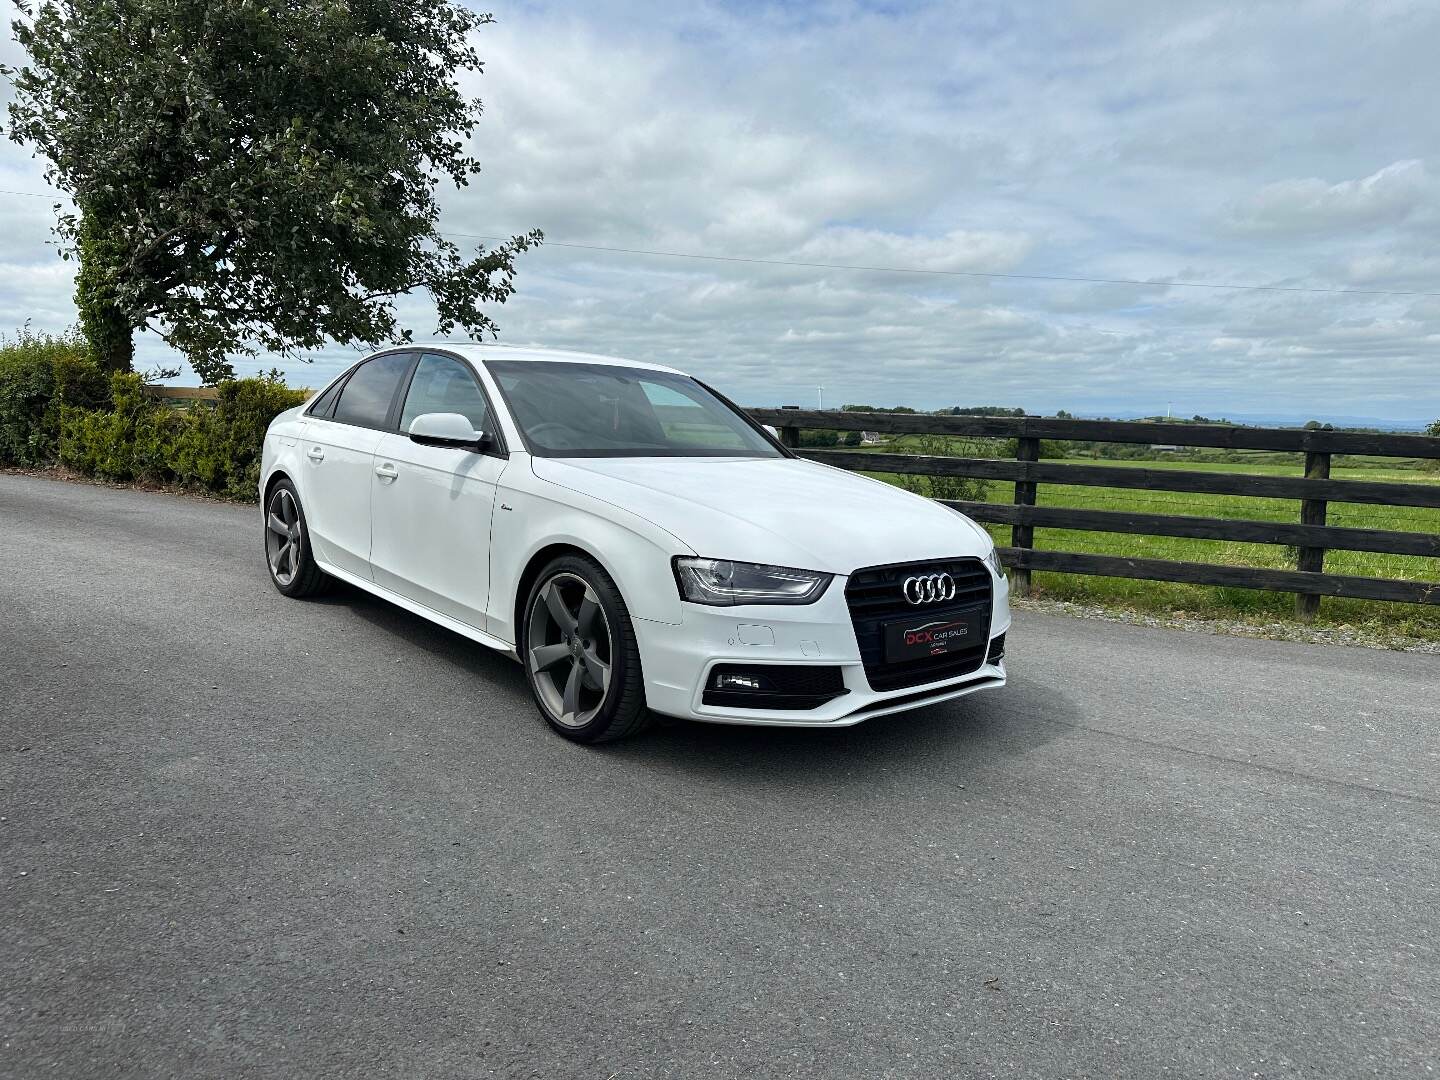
{"x":875,"y":597}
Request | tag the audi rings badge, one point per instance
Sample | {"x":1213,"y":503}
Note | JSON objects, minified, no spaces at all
{"x":929,"y":588}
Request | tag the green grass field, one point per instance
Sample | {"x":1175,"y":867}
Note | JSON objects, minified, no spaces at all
{"x":1155,"y":596}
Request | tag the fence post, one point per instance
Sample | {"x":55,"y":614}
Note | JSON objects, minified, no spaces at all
{"x":1023,"y":536}
{"x":1312,"y":512}
{"x":789,"y":433}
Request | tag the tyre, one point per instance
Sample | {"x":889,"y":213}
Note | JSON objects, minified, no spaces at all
{"x":580,"y":654}
{"x":287,"y":545}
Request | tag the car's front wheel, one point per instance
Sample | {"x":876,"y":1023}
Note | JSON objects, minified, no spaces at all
{"x":580,"y":654}
{"x":287,"y":544}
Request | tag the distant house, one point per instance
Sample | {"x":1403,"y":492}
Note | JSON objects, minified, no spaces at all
{"x":871,"y":438}
{"x":1166,"y":448}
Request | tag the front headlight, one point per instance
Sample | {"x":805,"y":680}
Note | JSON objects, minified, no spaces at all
{"x":992,"y":560}
{"x":725,"y":583}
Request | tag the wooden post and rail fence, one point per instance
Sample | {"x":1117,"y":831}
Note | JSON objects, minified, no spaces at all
{"x":182,"y":394}
{"x":1311,"y":537}
{"x":1315,"y":490}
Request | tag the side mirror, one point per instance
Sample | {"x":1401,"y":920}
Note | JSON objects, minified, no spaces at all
{"x":447,"y":429}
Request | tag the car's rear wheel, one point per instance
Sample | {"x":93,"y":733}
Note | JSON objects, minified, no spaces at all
{"x":287,"y":545}
{"x":580,"y":654}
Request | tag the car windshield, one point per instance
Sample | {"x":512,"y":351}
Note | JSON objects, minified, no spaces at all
{"x":602,"y":410}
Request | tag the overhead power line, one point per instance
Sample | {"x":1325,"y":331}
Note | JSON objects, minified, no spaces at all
{"x":1065,"y":278}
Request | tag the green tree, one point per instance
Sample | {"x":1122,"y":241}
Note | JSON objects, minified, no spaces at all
{"x":250,"y":176}
{"x":1434,"y":429}
{"x":985,"y":410}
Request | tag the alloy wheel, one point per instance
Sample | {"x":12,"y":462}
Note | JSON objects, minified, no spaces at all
{"x":282,"y":536}
{"x":569,"y":650}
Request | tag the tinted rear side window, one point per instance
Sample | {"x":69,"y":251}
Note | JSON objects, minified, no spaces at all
{"x":367,"y":396}
{"x":326,"y":402}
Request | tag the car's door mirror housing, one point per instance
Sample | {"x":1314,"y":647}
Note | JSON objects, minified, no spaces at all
{"x":448,"y":429}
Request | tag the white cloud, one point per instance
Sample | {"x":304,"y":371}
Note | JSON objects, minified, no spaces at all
{"x":960,"y":250}
{"x":1260,"y":143}
{"x":1312,"y":206}
{"x":1393,"y":270}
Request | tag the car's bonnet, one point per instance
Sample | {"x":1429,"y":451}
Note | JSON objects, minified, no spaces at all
{"x":773,"y":510}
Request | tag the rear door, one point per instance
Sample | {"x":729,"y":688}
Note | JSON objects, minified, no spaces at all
{"x":340,"y":460}
{"x":432,"y":505}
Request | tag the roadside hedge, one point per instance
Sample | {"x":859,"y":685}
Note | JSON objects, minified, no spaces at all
{"x":213,"y":447}
{"x":39,"y":376}
{"x":56,"y":405}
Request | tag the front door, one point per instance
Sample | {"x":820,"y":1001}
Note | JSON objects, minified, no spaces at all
{"x":431,"y":506}
{"x":340,"y":460}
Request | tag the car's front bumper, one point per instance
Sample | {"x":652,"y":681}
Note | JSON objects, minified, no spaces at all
{"x":677,"y":660}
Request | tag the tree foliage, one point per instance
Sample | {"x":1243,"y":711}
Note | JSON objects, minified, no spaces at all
{"x":963,"y":488}
{"x":213,"y":447}
{"x":40,"y":376}
{"x":253,"y":176}
{"x":986,"y":410}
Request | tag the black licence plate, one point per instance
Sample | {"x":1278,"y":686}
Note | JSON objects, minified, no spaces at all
{"x":935,"y":635}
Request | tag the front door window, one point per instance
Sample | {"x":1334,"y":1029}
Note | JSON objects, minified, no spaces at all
{"x":445,"y":385}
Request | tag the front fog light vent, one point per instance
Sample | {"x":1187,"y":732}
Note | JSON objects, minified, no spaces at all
{"x":774,"y":686}
{"x":997,"y":649}
{"x":737,"y":680}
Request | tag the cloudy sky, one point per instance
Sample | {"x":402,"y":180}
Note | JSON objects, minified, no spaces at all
{"x":1291,"y":144}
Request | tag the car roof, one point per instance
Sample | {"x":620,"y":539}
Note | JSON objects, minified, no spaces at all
{"x":478,"y":351}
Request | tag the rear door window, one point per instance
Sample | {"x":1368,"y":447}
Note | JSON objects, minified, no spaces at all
{"x":325,"y":404}
{"x":366,"y":399}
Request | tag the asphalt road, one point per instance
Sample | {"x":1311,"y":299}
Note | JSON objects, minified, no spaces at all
{"x":248,"y":836}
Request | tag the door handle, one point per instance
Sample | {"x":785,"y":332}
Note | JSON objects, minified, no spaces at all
{"x":316,"y":454}
{"x":386,"y":471}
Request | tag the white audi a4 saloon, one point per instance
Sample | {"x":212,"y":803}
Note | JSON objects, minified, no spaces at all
{"x":636,"y":541}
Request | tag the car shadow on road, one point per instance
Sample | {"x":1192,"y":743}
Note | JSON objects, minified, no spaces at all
{"x":986,"y":727}
{"x":966,"y":735}
{"x":481,"y":662}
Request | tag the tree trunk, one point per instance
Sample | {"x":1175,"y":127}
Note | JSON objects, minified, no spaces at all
{"x":108,"y":329}
{"x":109,"y":333}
